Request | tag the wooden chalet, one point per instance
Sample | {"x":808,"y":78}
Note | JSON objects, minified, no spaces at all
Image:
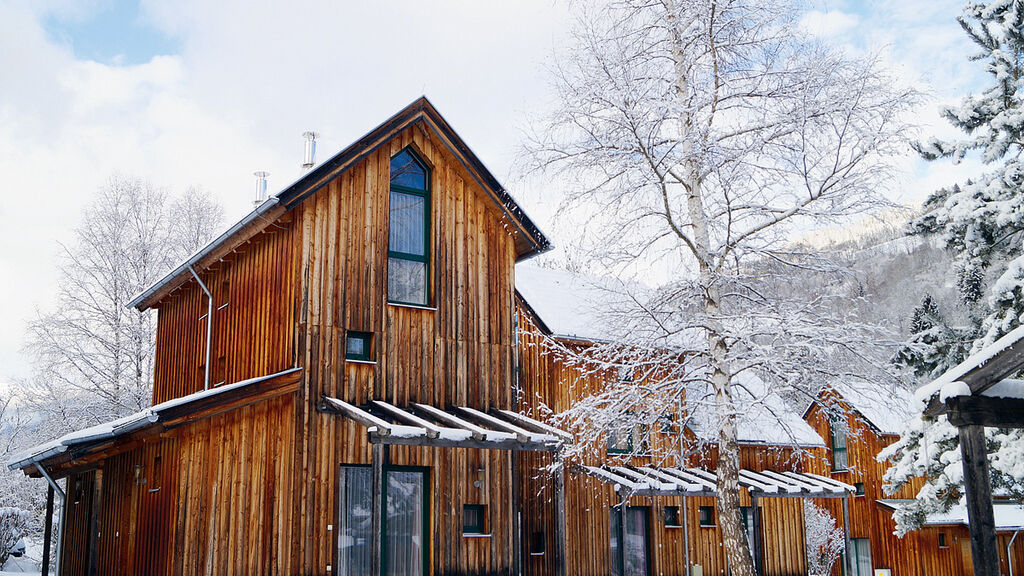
{"x":350,"y":380}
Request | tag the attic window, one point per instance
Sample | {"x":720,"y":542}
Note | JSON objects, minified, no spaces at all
{"x":409,"y":231}
{"x":837,"y":429}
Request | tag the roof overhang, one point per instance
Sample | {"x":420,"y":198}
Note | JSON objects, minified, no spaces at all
{"x":529,"y":240}
{"x":662,"y":481}
{"x":85,"y":446}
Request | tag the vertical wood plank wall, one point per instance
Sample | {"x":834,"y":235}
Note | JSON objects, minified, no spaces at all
{"x":548,"y":379}
{"x":458,"y":353}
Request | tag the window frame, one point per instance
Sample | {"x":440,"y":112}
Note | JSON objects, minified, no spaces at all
{"x":367,"y":338}
{"x":677,"y":517}
{"x":858,"y":488}
{"x":711,"y":523}
{"x":835,"y":425}
{"x":943,"y":541}
{"x":475,"y":529}
{"x":427,"y":211}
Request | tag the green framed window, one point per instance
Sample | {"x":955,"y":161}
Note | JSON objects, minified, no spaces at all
{"x":632,"y":439}
{"x":858,"y":489}
{"x":474,"y":519}
{"x":840,"y":458}
{"x":409,"y":230}
{"x":706,"y":514}
{"x":943,"y":543}
{"x":358,"y":345}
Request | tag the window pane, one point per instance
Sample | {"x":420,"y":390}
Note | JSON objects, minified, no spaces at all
{"x":635,"y":548}
{"x":356,"y":347}
{"x":407,"y":281}
{"x":405,"y":539}
{"x":406,"y":171}
{"x":355,"y":500}
{"x":615,"y":528}
{"x":406,"y":227}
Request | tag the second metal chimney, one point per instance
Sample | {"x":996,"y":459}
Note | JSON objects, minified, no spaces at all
{"x":261,"y":186}
{"x":309,"y":150}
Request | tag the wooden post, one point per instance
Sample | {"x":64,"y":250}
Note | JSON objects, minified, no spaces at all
{"x":755,"y":520}
{"x":978,"y":495}
{"x":94,"y":521}
{"x":47,"y":531}
{"x":686,"y":538}
{"x":560,"y":540}
{"x":517,"y":531}
{"x":377,"y":517}
{"x":846,"y":535}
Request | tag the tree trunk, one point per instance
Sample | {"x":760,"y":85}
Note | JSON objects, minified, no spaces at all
{"x":737,"y":548}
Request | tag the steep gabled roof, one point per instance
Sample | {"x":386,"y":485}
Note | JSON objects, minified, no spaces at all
{"x":529,"y":239}
{"x":884,"y":409}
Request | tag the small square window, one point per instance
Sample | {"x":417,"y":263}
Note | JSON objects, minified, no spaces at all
{"x":707,"y":516}
{"x":358,"y":345}
{"x":859,"y":486}
{"x":474,"y":519}
{"x":942,"y":540}
{"x":537,"y":544}
{"x":672,"y":517}
{"x":667,"y":423}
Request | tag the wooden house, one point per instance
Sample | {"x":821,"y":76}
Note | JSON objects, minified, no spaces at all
{"x":857,"y":423}
{"x":350,"y":380}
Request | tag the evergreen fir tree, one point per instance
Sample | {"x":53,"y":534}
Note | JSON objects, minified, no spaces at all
{"x":982,"y":221}
{"x":925,"y":315}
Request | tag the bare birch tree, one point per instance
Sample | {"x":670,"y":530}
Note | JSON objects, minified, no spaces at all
{"x":94,"y":356}
{"x":697,"y":139}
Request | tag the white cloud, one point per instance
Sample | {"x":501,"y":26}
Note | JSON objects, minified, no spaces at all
{"x":830,"y":24}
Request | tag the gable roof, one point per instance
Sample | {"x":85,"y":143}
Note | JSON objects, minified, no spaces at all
{"x":529,"y":239}
{"x":568,"y":304}
{"x":883,"y":408}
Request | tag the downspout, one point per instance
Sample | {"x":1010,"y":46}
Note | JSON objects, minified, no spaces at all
{"x":1009,"y":551}
{"x":63,"y":513}
{"x":209,"y":327}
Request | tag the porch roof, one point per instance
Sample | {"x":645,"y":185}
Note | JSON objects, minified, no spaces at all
{"x":659,"y":481}
{"x":457,"y":427}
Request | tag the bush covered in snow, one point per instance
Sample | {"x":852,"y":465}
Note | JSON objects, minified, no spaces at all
{"x":824,"y":540}
{"x":14,"y":525}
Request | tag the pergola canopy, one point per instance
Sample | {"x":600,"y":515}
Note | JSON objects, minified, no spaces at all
{"x":457,"y":427}
{"x":658,"y":481}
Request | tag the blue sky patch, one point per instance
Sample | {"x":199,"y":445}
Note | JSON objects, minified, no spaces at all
{"x":112,"y":33}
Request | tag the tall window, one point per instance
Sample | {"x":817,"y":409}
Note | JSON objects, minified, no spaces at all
{"x":630,"y":541}
{"x":409,"y":231}
{"x":838,"y":431}
{"x":861,"y":552}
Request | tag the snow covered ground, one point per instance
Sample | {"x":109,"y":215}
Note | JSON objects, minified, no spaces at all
{"x":27,"y":564}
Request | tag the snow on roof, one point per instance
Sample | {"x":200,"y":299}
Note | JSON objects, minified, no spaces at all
{"x":764,"y":416}
{"x":570,"y":304}
{"x":1008,"y":515}
{"x":125,"y":424}
{"x":887,"y":408}
{"x":949,"y":384}
{"x":1008,"y":388}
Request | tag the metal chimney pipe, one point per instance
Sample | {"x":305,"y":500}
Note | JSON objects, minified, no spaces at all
{"x":309,"y":150}
{"x":261,"y":186}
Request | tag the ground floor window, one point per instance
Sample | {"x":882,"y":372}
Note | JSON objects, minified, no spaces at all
{"x":630,"y":541}
{"x":860,"y":554}
{"x":748,"y":524}
{"x":405,"y":520}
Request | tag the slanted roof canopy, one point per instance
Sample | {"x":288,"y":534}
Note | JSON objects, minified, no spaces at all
{"x":529,"y":239}
{"x":658,"y":481}
{"x":460,"y":427}
{"x":109,"y":438}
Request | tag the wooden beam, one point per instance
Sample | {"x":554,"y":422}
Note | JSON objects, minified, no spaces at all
{"x":686,"y":538}
{"x":433,"y":431}
{"x":521,"y":435}
{"x":755,"y":519}
{"x":529,"y":423}
{"x":47,"y":531}
{"x":848,"y":543}
{"x":478,"y":432}
{"x":978,"y":496}
{"x":985,"y":411}
{"x":507,"y":444}
{"x":1005,"y":363}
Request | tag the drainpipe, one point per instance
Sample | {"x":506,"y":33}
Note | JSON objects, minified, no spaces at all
{"x":63,"y":513}
{"x":1009,"y":551}
{"x":209,"y":327}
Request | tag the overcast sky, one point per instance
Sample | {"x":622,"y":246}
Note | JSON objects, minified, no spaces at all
{"x":203,"y":93}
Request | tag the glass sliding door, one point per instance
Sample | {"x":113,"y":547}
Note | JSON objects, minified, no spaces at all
{"x":630,"y":541}
{"x":355,"y":520}
{"x":406,"y":529}
{"x":406,"y":534}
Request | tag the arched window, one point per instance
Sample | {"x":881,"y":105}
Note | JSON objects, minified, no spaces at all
{"x":409,"y":231}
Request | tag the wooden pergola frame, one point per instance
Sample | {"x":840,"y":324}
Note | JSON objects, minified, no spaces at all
{"x":457,"y":427}
{"x":631,"y":481}
{"x":971,"y":414}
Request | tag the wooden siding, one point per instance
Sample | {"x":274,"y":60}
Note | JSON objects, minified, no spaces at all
{"x":457,"y":352}
{"x":252,"y":318}
{"x":546,"y":378}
